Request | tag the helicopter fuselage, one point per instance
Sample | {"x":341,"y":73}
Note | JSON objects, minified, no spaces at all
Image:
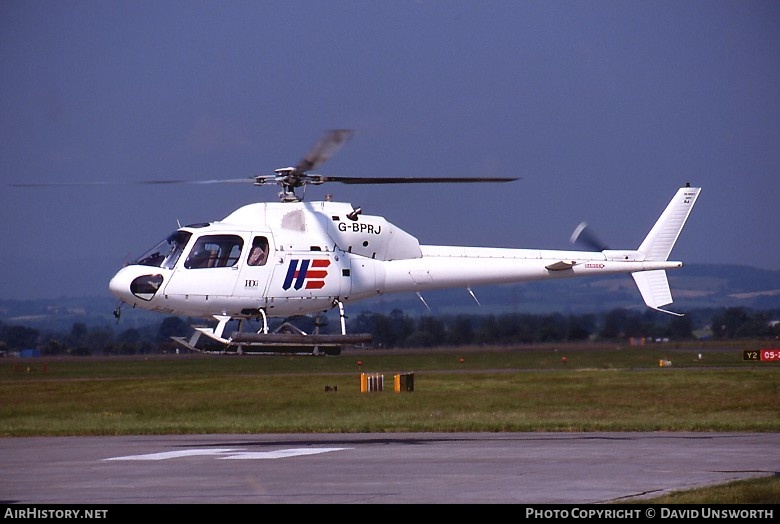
{"x":318,"y":254}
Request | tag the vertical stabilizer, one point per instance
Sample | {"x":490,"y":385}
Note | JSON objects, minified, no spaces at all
{"x":659,"y":242}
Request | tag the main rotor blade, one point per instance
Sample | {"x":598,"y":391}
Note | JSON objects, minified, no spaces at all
{"x":325,"y":148}
{"x":406,"y":180}
{"x":265,"y":179}
{"x":250,"y":180}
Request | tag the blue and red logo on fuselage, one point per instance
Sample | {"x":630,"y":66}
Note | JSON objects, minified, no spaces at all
{"x":307,"y":274}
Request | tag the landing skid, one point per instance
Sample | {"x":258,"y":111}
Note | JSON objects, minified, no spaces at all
{"x":286,"y":339}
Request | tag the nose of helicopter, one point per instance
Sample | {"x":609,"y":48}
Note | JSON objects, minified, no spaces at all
{"x":134,"y":282}
{"x":120,"y":284}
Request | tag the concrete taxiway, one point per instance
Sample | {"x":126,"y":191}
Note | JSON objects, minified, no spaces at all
{"x":397,"y":468}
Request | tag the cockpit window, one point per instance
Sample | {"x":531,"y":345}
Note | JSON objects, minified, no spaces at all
{"x":215,"y":251}
{"x":166,"y":253}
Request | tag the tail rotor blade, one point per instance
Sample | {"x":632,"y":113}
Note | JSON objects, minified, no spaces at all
{"x":583,"y":235}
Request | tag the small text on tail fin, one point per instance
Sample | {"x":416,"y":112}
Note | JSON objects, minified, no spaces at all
{"x":658,"y":244}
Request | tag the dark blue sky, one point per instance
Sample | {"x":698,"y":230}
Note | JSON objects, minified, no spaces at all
{"x":604,"y":108}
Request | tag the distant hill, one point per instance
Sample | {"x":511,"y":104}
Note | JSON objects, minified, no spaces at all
{"x":694,"y":287}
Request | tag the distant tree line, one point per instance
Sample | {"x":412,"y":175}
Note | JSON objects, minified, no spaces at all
{"x":399,"y":330}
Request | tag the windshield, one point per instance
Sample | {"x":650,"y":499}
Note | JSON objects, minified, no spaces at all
{"x":166,"y":253}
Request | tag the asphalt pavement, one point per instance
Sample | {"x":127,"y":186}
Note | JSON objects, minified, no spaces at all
{"x":394,"y":468}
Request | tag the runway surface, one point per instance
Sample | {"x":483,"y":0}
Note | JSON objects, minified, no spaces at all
{"x":393,"y":468}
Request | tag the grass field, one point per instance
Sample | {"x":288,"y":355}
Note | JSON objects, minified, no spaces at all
{"x":555,"y":388}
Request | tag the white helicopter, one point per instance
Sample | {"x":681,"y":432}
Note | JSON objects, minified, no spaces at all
{"x":282,"y":259}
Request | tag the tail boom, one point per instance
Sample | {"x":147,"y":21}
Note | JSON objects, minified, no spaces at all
{"x":441,"y":267}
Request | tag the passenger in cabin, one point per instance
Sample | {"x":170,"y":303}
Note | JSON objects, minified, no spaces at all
{"x":259,"y":252}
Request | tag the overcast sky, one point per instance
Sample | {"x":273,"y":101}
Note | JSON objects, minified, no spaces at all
{"x":604,"y":108}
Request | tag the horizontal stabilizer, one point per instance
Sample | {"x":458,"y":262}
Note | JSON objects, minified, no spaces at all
{"x":654,"y":287}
